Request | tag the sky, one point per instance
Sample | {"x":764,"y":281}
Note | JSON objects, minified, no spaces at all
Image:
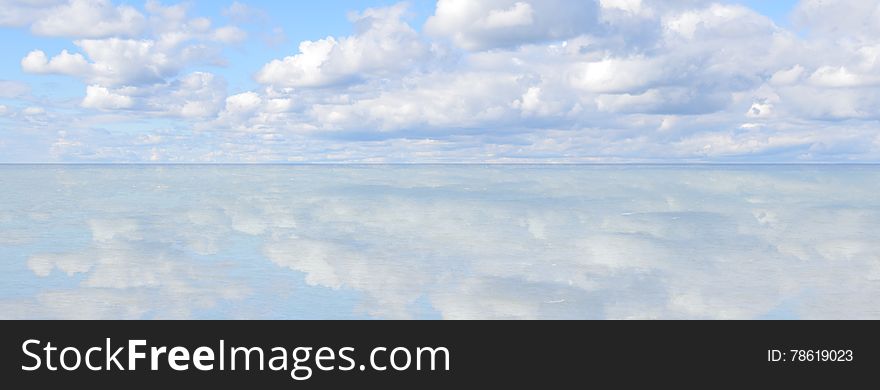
{"x":445,"y":81}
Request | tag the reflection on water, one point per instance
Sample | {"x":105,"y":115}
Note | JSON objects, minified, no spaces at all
{"x":439,"y":242}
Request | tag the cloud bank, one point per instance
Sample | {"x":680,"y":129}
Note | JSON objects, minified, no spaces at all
{"x":487,"y":81}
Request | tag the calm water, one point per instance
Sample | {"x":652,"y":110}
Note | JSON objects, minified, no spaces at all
{"x":439,"y":242}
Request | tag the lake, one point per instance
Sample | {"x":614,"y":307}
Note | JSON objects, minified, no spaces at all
{"x":440,"y":241}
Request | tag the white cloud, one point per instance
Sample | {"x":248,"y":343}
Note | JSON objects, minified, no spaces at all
{"x":440,"y":101}
{"x":529,"y":84}
{"x":619,"y":75}
{"x":787,"y":76}
{"x":64,"y":63}
{"x":478,"y":25}
{"x":90,"y":19}
{"x":497,"y":80}
{"x":630,"y":6}
{"x":17,"y":13}
{"x":840,"y":18}
{"x":13,"y":89}
{"x":243,"y":13}
{"x":383,"y":45}
{"x":33,"y":111}
{"x":518,"y":15}
{"x":102,"y":98}
{"x":127,"y":61}
{"x":197,"y":95}
{"x":229,"y":34}
{"x":137,"y":60}
{"x":760,"y":110}
{"x":243,"y":103}
{"x":535,"y":102}
{"x":841,"y":77}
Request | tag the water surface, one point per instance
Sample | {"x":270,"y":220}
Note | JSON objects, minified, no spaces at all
{"x":520,"y":242}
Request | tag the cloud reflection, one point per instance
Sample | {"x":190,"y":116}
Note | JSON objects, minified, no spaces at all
{"x":455,"y":242}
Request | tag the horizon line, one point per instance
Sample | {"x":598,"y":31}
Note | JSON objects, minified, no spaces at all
{"x":830,"y":163}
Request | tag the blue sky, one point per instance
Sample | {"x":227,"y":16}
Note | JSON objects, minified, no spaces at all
{"x":447,"y":81}
{"x":778,"y":10}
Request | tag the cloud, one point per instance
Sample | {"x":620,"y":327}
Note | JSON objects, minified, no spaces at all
{"x":195,"y":95}
{"x":64,"y":63}
{"x":17,"y":13}
{"x":444,"y":100}
{"x":520,"y":14}
{"x":498,"y":81}
{"x":10,"y":89}
{"x":90,"y":19}
{"x":788,"y":76}
{"x":384,"y":44}
{"x":101,"y":98}
{"x":116,"y":61}
{"x":531,"y":84}
{"x":840,"y":18}
{"x":243,"y":103}
{"x":243,"y":13}
{"x":841,"y":77}
{"x":629,"y":6}
{"x":135,"y":61}
{"x":618,"y":75}
{"x":229,"y":34}
{"x":504,"y":23}
{"x":760,"y":110}
{"x":33,"y":111}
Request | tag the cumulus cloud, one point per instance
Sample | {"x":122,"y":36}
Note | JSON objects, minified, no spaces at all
{"x":619,"y":75}
{"x":536,"y":81}
{"x":243,"y":13}
{"x":505,"y":80}
{"x":841,"y":77}
{"x":90,"y":19}
{"x":441,"y":101}
{"x":196,"y":95}
{"x":133,"y":61}
{"x":839,"y":18}
{"x":64,"y":63}
{"x":475,"y":25}
{"x":17,"y":13}
{"x":384,"y":44}
{"x":102,"y":98}
{"x":229,"y":34}
{"x":115,"y":61}
{"x":243,"y":103}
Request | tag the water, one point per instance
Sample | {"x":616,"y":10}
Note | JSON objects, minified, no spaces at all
{"x":585,"y":242}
